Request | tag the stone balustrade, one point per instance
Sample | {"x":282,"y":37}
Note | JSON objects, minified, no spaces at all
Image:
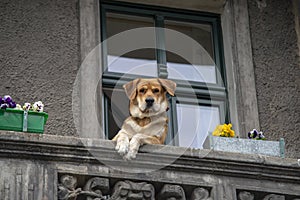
{"x":50,"y":167}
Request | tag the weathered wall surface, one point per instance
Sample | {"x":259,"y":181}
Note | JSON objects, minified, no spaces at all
{"x":39,"y":56}
{"x":277,"y":70}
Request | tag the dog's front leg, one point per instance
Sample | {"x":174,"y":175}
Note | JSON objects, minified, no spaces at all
{"x":137,"y":141}
{"x":122,"y":145}
{"x":134,"y":146}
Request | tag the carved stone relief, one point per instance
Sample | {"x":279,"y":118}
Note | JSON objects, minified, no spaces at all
{"x":274,"y":197}
{"x":97,"y":188}
{"x":66,"y":188}
{"x":201,"y":194}
{"x":93,"y":189}
{"x":245,"y":195}
{"x":129,"y":190}
{"x":172,"y":192}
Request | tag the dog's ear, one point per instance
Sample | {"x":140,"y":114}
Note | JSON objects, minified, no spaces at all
{"x":169,"y":85}
{"x":130,"y":88}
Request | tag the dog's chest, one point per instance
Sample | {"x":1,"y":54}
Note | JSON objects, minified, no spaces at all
{"x":148,"y":126}
{"x":143,"y":122}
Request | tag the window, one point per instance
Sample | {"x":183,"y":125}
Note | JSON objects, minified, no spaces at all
{"x":196,"y":65}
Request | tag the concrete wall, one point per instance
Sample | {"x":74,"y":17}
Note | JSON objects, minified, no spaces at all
{"x":276,"y":63}
{"x":39,"y":56}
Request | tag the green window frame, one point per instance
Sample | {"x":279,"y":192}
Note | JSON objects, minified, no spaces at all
{"x":208,"y":94}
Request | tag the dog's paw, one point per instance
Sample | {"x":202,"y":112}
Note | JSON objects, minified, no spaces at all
{"x":130,"y":155}
{"x":122,"y":148}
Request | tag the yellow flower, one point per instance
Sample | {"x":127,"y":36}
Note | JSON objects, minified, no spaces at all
{"x":218,"y":130}
{"x":232,"y":133}
{"x":224,"y":131}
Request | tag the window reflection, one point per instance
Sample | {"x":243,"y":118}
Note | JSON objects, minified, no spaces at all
{"x":183,"y":70}
{"x":198,"y":64}
{"x":192,"y":131}
{"x":131,"y":64}
{"x":117,"y":110}
{"x":138,"y":62}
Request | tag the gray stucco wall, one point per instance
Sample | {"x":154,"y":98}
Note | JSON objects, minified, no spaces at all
{"x":276,"y":62}
{"x":39,"y":56}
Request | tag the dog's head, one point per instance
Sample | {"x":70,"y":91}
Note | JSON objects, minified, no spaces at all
{"x":148,"y":96}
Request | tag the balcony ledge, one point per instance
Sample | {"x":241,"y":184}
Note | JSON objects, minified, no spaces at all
{"x":56,"y":148}
{"x":38,"y":167}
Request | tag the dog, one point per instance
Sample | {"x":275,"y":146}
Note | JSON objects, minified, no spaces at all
{"x":148,"y":122}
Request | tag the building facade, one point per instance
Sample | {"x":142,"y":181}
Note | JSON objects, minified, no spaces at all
{"x":50,"y":52}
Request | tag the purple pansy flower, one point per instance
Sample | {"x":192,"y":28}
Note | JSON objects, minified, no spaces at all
{"x":7,"y":102}
{"x":261,"y":136}
{"x":12,"y":104}
{"x":38,"y":106}
{"x":7,"y":99}
{"x":27,"y":106}
{"x":254,"y":134}
{"x":4,"y":106}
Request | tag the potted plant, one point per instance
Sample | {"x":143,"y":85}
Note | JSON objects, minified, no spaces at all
{"x":223,"y":139}
{"x":29,"y":118}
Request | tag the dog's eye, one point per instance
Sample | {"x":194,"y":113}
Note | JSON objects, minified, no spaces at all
{"x":142,"y":90}
{"x":155,"y":90}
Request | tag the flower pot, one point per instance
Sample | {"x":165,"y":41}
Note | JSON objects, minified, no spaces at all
{"x":19,"y":120}
{"x":246,"y":146}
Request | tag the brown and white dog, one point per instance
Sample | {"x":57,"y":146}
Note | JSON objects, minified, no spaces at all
{"x":148,"y":122}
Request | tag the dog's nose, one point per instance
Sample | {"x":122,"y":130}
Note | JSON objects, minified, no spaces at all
{"x":149,"y":101}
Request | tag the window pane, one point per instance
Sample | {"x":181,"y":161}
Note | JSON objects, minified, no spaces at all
{"x":194,"y":124}
{"x":139,"y":62}
{"x":198,"y":63}
{"x":134,"y":63}
{"x":117,"y":111}
{"x":183,"y":70}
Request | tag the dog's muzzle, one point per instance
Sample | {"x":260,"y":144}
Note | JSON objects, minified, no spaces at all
{"x":149,"y":102}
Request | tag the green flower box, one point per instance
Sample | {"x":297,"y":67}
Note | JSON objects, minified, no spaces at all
{"x":19,"y":120}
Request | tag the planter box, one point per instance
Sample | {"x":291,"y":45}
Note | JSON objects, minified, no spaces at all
{"x":246,"y":146}
{"x":18,"y":120}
